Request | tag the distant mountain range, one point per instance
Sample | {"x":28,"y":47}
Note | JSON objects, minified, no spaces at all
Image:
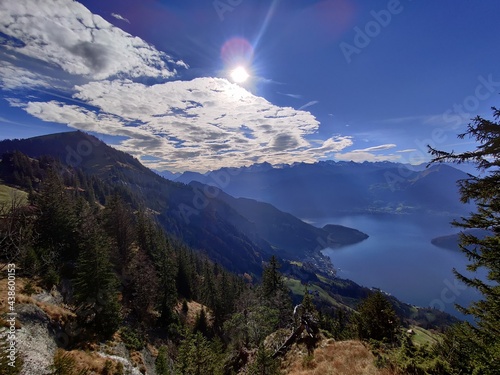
{"x":328,"y":188}
{"x":238,"y":233}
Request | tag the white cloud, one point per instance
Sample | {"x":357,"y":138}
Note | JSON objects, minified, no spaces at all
{"x":120,"y":17}
{"x":361,"y":156}
{"x":201,"y":124}
{"x":407,"y":150}
{"x":366,"y":154}
{"x":64,"y":33}
{"x":309,"y":104}
{"x":377,"y":148}
{"x":295,"y":96}
{"x":14,"y":77}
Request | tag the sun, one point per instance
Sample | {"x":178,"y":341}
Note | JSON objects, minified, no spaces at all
{"x":239,"y":74}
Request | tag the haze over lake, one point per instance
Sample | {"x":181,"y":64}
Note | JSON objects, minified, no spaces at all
{"x":399,"y":258}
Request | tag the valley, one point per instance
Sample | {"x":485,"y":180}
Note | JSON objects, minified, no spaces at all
{"x":339,"y":258}
{"x":388,"y":249}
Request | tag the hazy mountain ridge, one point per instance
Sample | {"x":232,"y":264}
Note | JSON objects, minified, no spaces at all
{"x":329,"y":188}
{"x":287,"y":235}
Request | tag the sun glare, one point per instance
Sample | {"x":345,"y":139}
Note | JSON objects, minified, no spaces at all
{"x":239,"y":74}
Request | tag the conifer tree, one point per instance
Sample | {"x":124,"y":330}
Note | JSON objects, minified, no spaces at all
{"x":198,"y":356}
{"x":308,"y":304}
{"x":95,"y":283}
{"x":162,"y":364}
{"x":274,"y":292}
{"x":118,"y":223}
{"x":166,"y":268}
{"x":153,"y":241}
{"x":263,"y":364}
{"x":201,"y":324}
{"x":143,"y":284}
{"x":56,"y":223}
{"x":376,"y":319}
{"x":484,"y":190}
{"x":184,"y":277}
{"x":272,"y":279}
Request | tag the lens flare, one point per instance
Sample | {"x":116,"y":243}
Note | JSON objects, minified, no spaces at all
{"x":237,"y":51}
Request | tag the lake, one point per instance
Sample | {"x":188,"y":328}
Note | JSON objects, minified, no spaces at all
{"x":399,"y":258}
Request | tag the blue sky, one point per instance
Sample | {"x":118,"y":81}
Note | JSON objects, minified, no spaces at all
{"x":332,"y":79}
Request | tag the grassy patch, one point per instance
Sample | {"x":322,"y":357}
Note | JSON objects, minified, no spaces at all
{"x":298,"y":288}
{"x":331,"y":357}
{"x":8,"y":193}
{"x":423,"y":336}
{"x":324,"y":279}
{"x":77,"y":362}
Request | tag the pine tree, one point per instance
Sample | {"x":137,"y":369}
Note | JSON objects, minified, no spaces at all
{"x":168,"y":292}
{"x":184,"y":275}
{"x":143,"y":284}
{"x":56,"y":223}
{"x":308,"y":305}
{"x":118,"y":223}
{"x":272,"y":279}
{"x":198,"y":356}
{"x":484,"y":190}
{"x":162,"y":363}
{"x":95,"y":283}
{"x":376,"y":319}
{"x":201,"y":324}
{"x":275,"y":294}
{"x":153,"y":241}
{"x":263,"y":364}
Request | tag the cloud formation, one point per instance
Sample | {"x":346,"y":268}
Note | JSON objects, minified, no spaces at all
{"x":120,"y":17}
{"x":202,"y":124}
{"x":64,"y":33}
{"x":15,"y":77}
{"x":367,"y":154}
{"x":309,"y":104}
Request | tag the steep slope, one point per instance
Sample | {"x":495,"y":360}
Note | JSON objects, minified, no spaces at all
{"x":202,"y":228}
{"x":288,"y":236}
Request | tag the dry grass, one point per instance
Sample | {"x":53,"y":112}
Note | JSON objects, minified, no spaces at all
{"x":331,"y":357}
{"x":194,"y":309}
{"x":137,"y":359}
{"x":90,"y":361}
{"x":55,"y":313}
